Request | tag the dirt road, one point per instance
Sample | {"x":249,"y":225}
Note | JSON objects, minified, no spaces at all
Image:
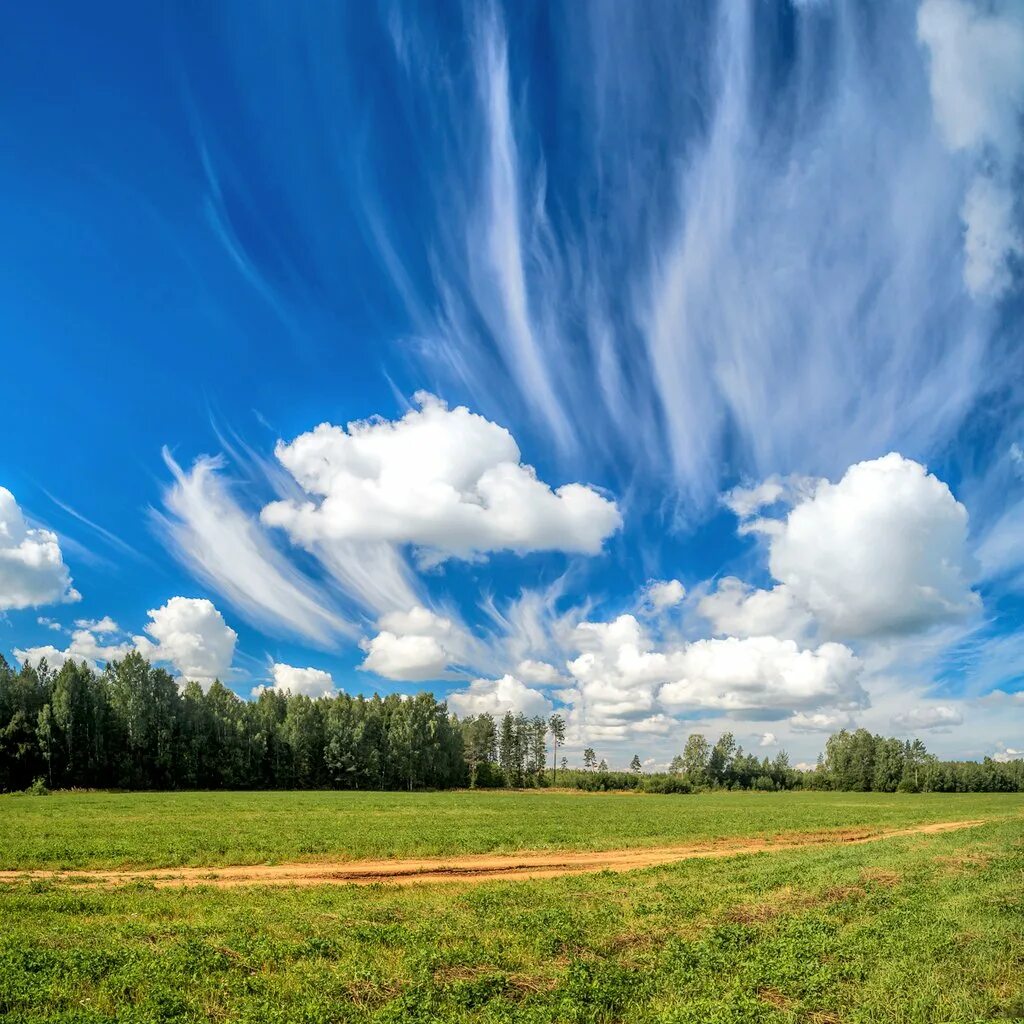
{"x":476,"y":868}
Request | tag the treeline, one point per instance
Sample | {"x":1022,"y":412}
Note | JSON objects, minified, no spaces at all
{"x":852,"y":761}
{"x":132,"y":727}
{"x":860,"y":762}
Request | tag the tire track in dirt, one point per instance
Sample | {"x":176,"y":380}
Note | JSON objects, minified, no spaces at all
{"x":471,"y":868}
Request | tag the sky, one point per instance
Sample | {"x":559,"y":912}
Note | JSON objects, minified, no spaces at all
{"x":656,"y":364}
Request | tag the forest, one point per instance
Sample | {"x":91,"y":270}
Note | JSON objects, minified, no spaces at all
{"x":132,"y":726}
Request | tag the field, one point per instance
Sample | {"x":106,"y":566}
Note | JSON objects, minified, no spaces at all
{"x":918,"y":927}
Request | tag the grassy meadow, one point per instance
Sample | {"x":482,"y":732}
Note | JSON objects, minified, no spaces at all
{"x":922,"y":928}
{"x":86,"y":830}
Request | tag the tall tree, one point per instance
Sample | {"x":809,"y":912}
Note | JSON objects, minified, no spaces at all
{"x":696,"y":754}
{"x":557,"y":726}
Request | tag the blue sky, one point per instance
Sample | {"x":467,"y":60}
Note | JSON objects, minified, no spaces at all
{"x":740,"y":282}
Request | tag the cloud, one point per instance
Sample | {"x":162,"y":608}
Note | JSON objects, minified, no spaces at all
{"x":407,"y":658}
{"x":32,"y":569}
{"x":991,"y":237}
{"x":622,"y":677}
{"x":501,"y":285}
{"x":881,"y":552}
{"x":85,"y":645}
{"x":820,"y":721}
{"x":976,"y":75}
{"x":768,"y":740}
{"x":106,"y":625}
{"x":764,"y":673}
{"x":735,"y":608}
{"x":51,"y":624}
{"x":444,"y":480}
{"x":660,"y":595}
{"x":746,"y":502}
{"x":1004,"y":754}
{"x":976,"y":69}
{"x":496,"y":696}
{"x":190,"y":634}
{"x":226,"y":548}
{"x":310,"y":682}
{"x":413,"y":646}
{"x":937,"y":716}
{"x":538,"y":672}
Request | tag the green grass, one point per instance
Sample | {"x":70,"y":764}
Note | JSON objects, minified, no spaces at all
{"x":916,"y":929}
{"x":79,"y":830}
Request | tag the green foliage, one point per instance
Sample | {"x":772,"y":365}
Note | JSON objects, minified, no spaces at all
{"x":38,"y":787}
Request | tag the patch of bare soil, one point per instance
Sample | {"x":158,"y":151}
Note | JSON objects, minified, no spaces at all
{"x":476,"y":868}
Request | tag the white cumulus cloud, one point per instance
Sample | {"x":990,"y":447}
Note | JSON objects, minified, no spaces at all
{"x":311,"y":682}
{"x":447,"y":481}
{"x":538,"y":672}
{"x":496,"y":696}
{"x":191,"y":635}
{"x":413,"y":646}
{"x":85,"y":645}
{"x":622,"y":678}
{"x":764,"y":673}
{"x":32,"y":569}
{"x":882,"y":552}
{"x":735,"y":608}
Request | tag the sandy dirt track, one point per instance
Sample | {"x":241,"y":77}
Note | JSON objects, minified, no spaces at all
{"x":476,"y":868}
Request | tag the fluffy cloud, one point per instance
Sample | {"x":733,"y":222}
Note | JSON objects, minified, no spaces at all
{"x":977,"y":87}
{"x":32,"y":569}
{"x":538,"y":672}
{"x":496,"y":696}
{"x":412,"y":646}
{"x":881,"y":552}
{"x":85,"y":645}
{"x":820,"y":721}
{"x":104,"y":626}
{"x":659,"y":595}
{"x":1004,"y":754}
{"x":444,"y":480}
{"x":735,"y":608}
{"x":746,"y":502}
{"x":768,"y":739}
{"x":312,"y":682}
{"x":621,"y":678}
{"x":404,"y":658}
{"x":761,"y":673}
{"x":938,"y":716}
{"x":190,"y":634}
